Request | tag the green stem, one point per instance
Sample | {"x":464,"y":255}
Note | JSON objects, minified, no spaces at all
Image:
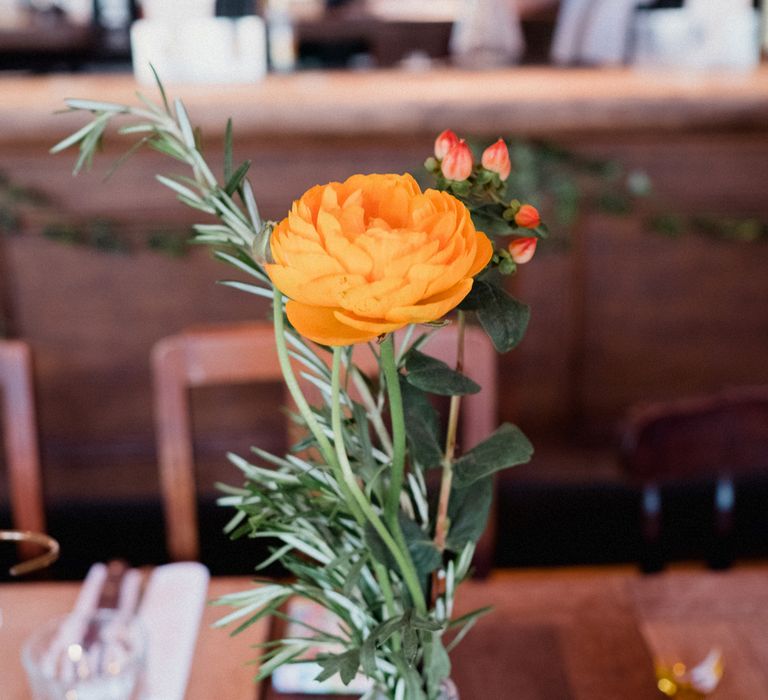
{"x":392,"y":380}
{"x":401,"y":556}
{"x":382,"y":576}
{"x":324,"y":444}
{"x":441,"y":523}
{"x":373,"y":412}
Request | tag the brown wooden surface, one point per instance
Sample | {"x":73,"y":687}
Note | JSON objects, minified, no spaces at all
{"x":592,"y":634}
{"x":573,"y":634}
{"x":534,"y":100}
{"x":219,"y":667}
{"x":19,"y":433}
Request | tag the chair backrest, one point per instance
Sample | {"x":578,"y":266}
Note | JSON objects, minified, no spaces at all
{"x":723,"y":434}
{"x":20,"y":434}
{"x":246,"y":353}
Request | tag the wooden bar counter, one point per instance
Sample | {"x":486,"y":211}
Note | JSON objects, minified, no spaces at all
{"x":536,"y":101}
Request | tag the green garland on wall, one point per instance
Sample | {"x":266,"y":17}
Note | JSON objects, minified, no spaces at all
{"x":560,"y":182}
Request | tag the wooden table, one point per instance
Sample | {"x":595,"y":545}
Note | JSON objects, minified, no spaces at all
{"x":219,"y":668}
{"x":573,"y":634}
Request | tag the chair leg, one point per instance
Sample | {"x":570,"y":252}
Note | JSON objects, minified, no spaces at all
{"x":722,"y":554}
{"x":651,"y":558}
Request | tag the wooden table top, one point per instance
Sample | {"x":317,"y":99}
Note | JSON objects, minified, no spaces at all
{"x":571,"y":634}
{"x":535,"y":100}
{"x":219,"y":668}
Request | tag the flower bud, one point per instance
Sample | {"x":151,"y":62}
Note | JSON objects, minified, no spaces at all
{"x":457,"y":164}
{"x":522,"y":249}
{"x":527,"y":217}
{"x":496,"y":159}
{"x":444,"y":143}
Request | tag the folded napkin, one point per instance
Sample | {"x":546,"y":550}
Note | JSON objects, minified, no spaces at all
{"x":170,"y":611}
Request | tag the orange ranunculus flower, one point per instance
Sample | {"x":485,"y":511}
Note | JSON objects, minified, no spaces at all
{"x":366,"y":256}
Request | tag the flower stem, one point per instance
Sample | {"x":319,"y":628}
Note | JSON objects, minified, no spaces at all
{"x":400,"y":554}
{"x":324,"y":444}
{"x":397,"y":417}
{"x":373,"y":411}
{"x":441,"y":524}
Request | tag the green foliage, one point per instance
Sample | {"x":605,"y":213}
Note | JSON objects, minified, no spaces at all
{"x":422,"y":427}
{"x":507,"y":447}
{"x":435,"y":377}
{"x":468,"y":511}
{"x":503,"y":318}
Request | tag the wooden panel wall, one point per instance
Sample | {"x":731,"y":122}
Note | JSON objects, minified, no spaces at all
{"x":623,"y":315}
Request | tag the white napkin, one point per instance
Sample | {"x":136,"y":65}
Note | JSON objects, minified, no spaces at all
{"x":170,"y":611}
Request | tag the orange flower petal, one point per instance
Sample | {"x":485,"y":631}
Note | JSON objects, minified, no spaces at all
{"x":377,"y":326}
{"x":483,"y":254}
{"x":321,"y":325}
{"x":433,"y":308}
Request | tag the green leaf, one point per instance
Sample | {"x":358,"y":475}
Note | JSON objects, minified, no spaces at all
{"x":377,"y":548}
{"x":363,"y":435}
{"x":379,"y":635}
{"x":185,"y":125}
{"x":437,"y":664}
{"x":507,"y":447}
{"x":95,"y":106}
{"x":468,"y":510}
{"x":502,"y":317}
{"x":466,"y":623}
{"x":161,"y":89}
{"x":426,"y":557}
{"x":228,"y":151}
{"x":410,"y":678}
{"x":436,"y":377}
{"x":410,"y":644}
{"x":422,"y":427}
{"x":490,"y":220}
{"x":73,"y":138}
{"x":236,"y":180}
{"x":345,"y":665}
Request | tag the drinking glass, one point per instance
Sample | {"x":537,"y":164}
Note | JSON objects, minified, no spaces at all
{"x":86,"y":657}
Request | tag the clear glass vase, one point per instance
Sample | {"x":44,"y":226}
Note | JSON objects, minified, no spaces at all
{"x":448,"y":691}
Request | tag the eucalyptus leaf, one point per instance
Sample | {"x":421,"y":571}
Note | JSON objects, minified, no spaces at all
{"x":468,"y":510}
{"x":422,"y":427}
{"x":503,"y":318}
{"x":436,"y":377}
{"x":437,"y":663}
{"x":345,"y":665}
{"x":426,"y":557}
{"x":507,"y":447}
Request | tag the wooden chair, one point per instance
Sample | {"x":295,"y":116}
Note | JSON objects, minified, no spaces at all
{"x":245,"y":353}
{"x":21,"y":449}
{"x":716,"y":437}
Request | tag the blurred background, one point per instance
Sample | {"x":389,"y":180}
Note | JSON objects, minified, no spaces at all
{"x":639,"y":128}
